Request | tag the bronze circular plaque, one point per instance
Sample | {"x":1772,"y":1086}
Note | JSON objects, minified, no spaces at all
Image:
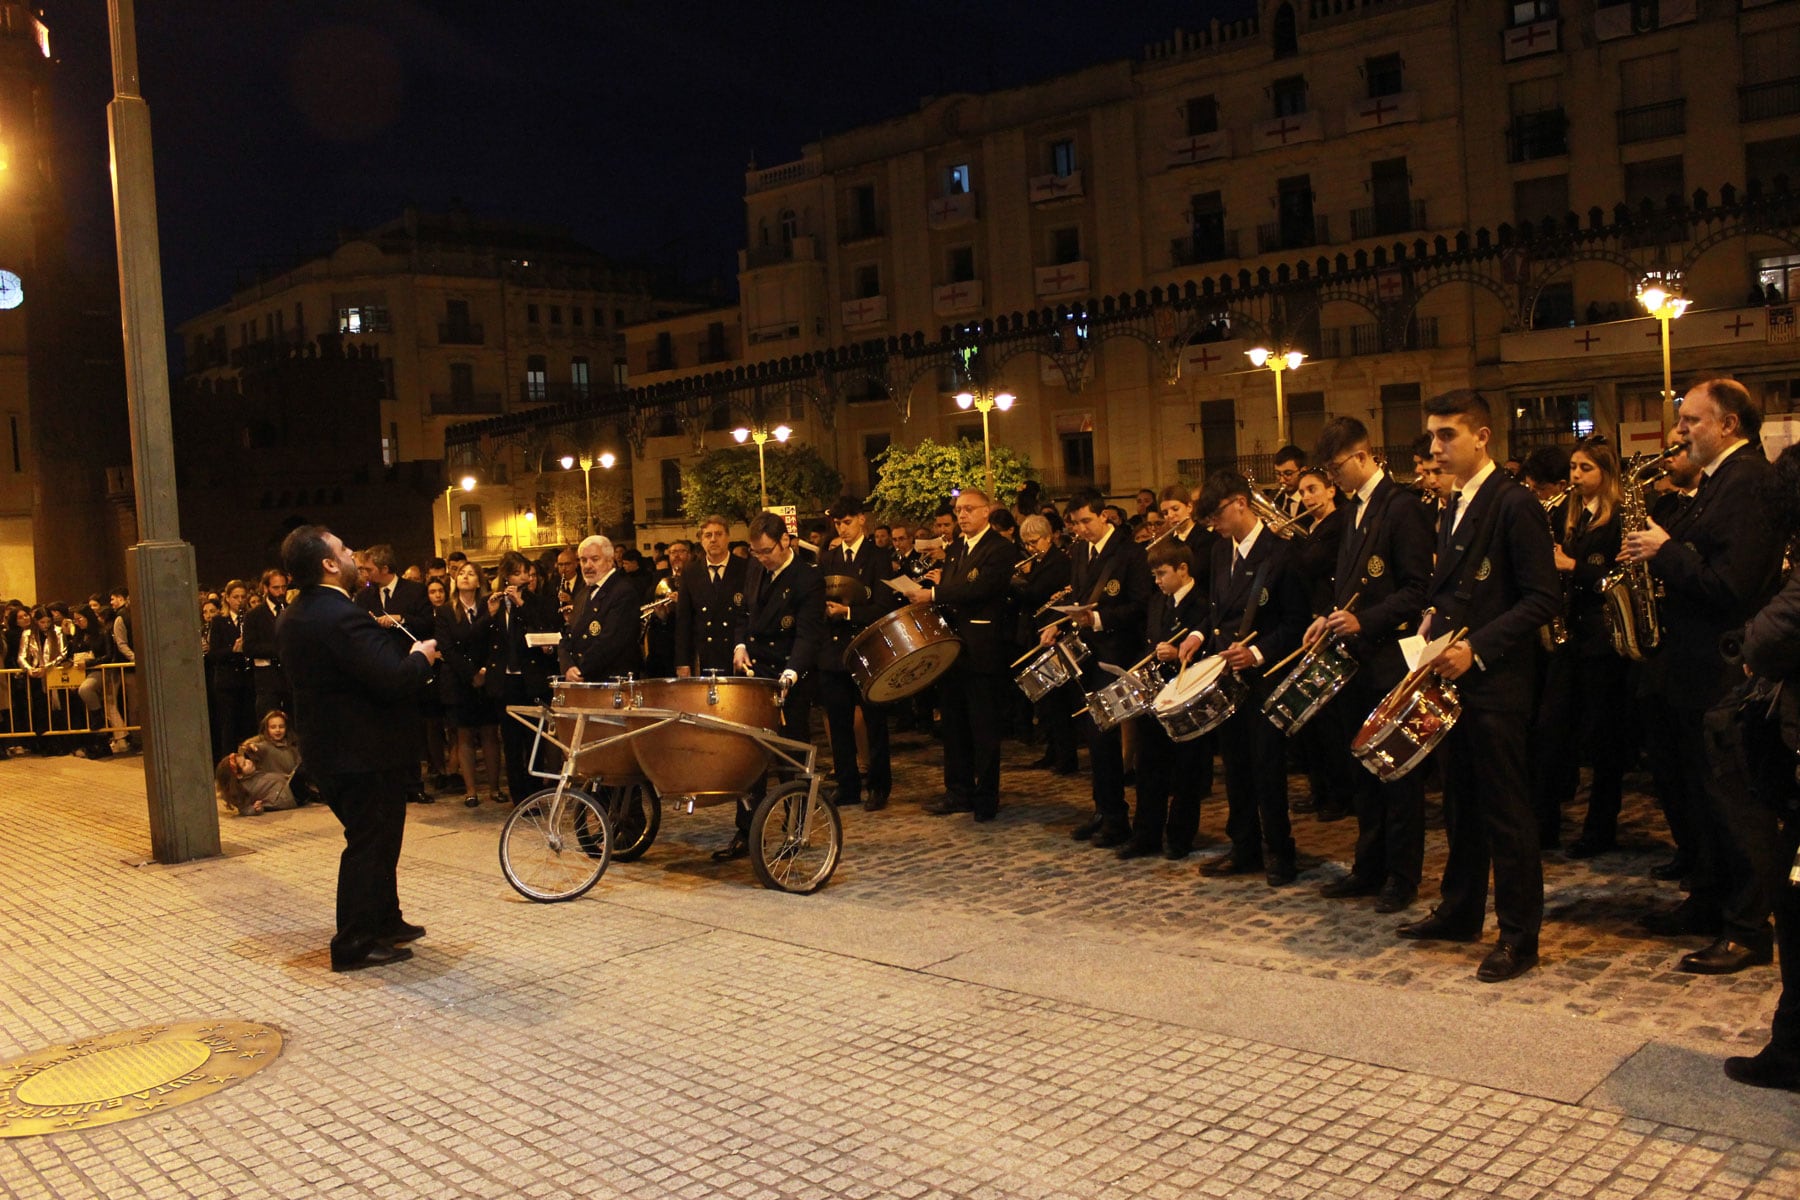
{"x":130,"y":1073}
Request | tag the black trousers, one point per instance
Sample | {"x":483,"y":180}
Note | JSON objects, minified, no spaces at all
{"x":1581,"y":714}
{"x":970,"y":703}
{"x":1784,"y":1031}
{"x":371,"y":806}
{"x":1323,"y":746}
{"x":796,"y":725}
{"x":1172,"y":779}
{"x":1489,"y":822}
{"x":1743,"y":839}
{"x":515,"y":741}
{"x":272,"y":693}
{"x":1106,"y":763}
{"x":1390,"y":817}
{"x":233,"y":717}
{"x":841,"y":697}
{"x":1254,"y":755}
{"x":1672,"y":748}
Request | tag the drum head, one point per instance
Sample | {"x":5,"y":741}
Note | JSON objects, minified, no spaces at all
{"x":1190,"y":683}
{"x":912,"y":673}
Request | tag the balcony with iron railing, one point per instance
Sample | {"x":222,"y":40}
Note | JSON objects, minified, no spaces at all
{"x":1346,"y":342}
{"x":1665,"y":118}
{"x":542,"y":392}
{"x":1537,"y":135}
{"x":460,"y":404}
{"x":480,"y":546}
{"x":662,"y":508}
{"x":1292,"y":234}
{"x":1203,"y":248}
{"x":461,"y":333}
{"x":1384,"y":220}
{"x":1776,"y":98}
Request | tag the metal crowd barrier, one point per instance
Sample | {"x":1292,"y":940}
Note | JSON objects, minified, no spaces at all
{"x":52,"y":706}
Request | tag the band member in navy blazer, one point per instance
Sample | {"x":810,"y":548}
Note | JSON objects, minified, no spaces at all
{"x":1172,"y":777}
{"x":973,"y":584}
{"x":710,"y":603}
{"x":351,"y":680}
{"x":1256,"y":590}
{"x":1495,"y":577}
{"x":602,"y":639}
{"x":518,"y":672}
{"x":1718,"y":563}
{"x":855,"y":557}
{"x":1384,"y":563}
{"x":1110,"y":574}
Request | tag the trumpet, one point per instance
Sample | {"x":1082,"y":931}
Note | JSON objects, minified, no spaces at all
{"x":1187,"y":524}
{"x":665,"y":596}
{"x":1279,"y":523}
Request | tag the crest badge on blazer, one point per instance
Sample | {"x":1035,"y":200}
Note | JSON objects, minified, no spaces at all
{"x":1112,"y":587}
{"x":1377,"y":568}
{"x":787,"y":622}
{"x":1486,"y":569}
{"x":593,"y":628}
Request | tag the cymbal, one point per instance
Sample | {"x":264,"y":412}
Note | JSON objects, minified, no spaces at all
{"x":845,"y":589}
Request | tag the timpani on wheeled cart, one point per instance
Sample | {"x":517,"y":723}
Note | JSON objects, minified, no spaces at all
{"x":630,"y":745}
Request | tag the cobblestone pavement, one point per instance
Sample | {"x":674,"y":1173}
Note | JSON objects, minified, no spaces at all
{"x":631,"y":1044}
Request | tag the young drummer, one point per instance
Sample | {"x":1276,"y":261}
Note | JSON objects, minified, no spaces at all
{"x":1172,"y":777}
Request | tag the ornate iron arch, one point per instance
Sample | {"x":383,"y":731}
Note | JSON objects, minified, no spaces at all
{"x":1786,"y":235}
{"x":1531,"y":293}
{"x":1507,"y":296}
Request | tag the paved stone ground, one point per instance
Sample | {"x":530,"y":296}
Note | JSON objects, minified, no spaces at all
{"x":680,"y":1033}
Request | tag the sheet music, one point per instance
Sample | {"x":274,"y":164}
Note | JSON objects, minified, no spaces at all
{"x":905,"y":586}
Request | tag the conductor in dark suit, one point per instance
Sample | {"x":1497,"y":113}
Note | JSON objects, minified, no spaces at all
{"x":602,"y":640}
{"x":856,"y":557}
{"x":1496,"y":577}
{"x":780,"y":636}
{"x":1384,"y":561}
{"x":1110,"y":573}
{"x":351,"y":679}
{"x":710,"y":603}
{"x":973,"y":582}
{"x":1718,"y":563}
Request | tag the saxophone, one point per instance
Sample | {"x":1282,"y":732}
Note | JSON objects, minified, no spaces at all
{"x":1555,"y":635}
{"x":1629,"y":593}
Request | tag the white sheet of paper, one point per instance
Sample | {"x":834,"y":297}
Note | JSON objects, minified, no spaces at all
{"x":1411,"y":648}
{"x":542,"y":639}
{"x":1065,"y":609}
{"x":933,"y":544}
{"x":905,"y":586}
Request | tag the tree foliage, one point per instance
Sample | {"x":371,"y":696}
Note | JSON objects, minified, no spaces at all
{"x":915,"y":480}
{"x":725,"y":481}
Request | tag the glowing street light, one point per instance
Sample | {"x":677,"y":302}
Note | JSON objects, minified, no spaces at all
{"x":1262,"y":357}
{"x":467,"y":484}
{"x":985,"y":404}
{"x":1661,"y":295}
{"x":761,"y":436}
{"x":588,"y":461}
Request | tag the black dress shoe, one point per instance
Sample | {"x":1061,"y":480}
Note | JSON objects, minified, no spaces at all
{"x":1281,"y":872}
{"x":1672,"y":870}
{"x":949,"y":805}
{"x":983,"y":815}
{"x":876,"y":800}
{"x":1725,"y":957}
{"x":375,"y":954}
{"x":1350,"y":885}
{"x":1047,"y":761}
{"x":401,"y":932}
{"x":1067,"y":768}
{"x":1304,"y":804}
{"x":1684,"y":920}
{"x":1132,"y":850}
{"x":420,"y":798}
{"x":1328,"y":813}
{"x":1086,"y":829}
{"x":1395,"y":897}
{"x":1107,"y":839}
{"x":739,"y":848}
{"x":1587,"y":846}
{"x":1505,"y":961}
{"x":1229,"y":864}
{"x":1431,"y":929}
{"x":1177,"y":853}
{"x":1763,"y":1071}
{"x":472,"y":802}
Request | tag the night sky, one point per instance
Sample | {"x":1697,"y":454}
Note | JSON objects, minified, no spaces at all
{"x":629,"y":122}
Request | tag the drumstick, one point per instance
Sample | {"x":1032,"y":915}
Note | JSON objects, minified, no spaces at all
{"x":1305,"y":645}
{"x":1140,"y":662}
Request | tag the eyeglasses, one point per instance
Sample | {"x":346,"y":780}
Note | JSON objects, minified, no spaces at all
{"x":1227,"y":503}
{"x":1332,"y":468}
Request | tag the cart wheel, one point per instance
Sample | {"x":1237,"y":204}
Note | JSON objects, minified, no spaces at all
{"x":636,"y":812}
{"x":551,"y":850}
{"x":795,"y":840}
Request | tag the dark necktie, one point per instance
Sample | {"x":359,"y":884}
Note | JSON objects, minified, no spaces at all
{"x":1237,"y":560}
{"x":1450,"y":517}
{"x":1354,"y":504}
{"x":718,"y":572}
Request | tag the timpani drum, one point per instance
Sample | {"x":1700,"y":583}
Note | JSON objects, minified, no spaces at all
{"x":614,"y":764}
{"x":695,"y":761}
{"x":1314,"y":682}
{"x":1199,"y":700}
{"x":902,"y":653}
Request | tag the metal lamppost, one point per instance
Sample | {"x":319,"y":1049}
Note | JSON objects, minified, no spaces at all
{"x":761,"y":436}
{"x":985,"y":404}
{"x":1660,"y":294}
{"x":588,"y":462}
{"x":467,"y":484}
{"x":1263,"y":357}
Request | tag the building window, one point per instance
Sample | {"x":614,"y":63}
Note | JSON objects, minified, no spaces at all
{"x":600,"y":317}
{"x":621,"y":374}
{"x":671,"y":487}
{"x":1655,"y":181}
{"x":1536,"y":199}
{"x":1218,"y":435}
{"x":1065,"y":245}
{"x":1529,"y":12}
{"x":366,"y":318}
{"x":1402,"y":419}
{"x":720,"y":417}
{"x":790,"y":223}
{"x":1780,"y":273}
{"x":1385,"y":75}
{"x":1202,"y":115}
{"x":531,"y":314}
{"x":715,"y":342}
{"x":1774,"y":163}
{"x":578,"y":375}
{"x":1555,"y":307}
{"x":1549,"y":420}
{"x":861,"y":212}
{"x":1077,"y":455}
{"x":1306,"y":417}
{"x":556,"y":314}
{"x":1206,"y":222}
{"x":1062,"y":157}
{"x":576,"y":315}
{"x":470,"y":528}
{"x":536,"y":377}
{"x":1287,"y":32}
{"x":957,"y":180}
{"x":961,"y":264}
{"x":662,"y":358}
{"x":462,"y":382}
{"x":1289,"y":95}
{"x":866,"y":281}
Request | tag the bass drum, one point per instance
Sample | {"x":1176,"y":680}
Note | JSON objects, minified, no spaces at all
{"x":1199,"y":700}
{"x":1407,"y":725}
{"x":710,"y":765}
{"x":902,"y":653}
{"x":1314,"y":682}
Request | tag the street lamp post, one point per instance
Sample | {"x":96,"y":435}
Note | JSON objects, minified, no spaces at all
{"x":1262,"y":357}
{"x":985,"y":404}
{"x":1660,"y":294}
{"x":588,"y":461}
{"x":761,"y":436}
{"x":467,"y":484}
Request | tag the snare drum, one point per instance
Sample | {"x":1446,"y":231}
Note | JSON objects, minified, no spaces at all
{"x":1407,"y":725}
{"x":1052,"y":667}
{"x":1199,"y":700}
{"x":1314,"y":682}
{"x":1127,"y":696}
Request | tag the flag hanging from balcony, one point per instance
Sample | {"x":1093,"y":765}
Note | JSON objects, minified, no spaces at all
{"x":1780,"y":326}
